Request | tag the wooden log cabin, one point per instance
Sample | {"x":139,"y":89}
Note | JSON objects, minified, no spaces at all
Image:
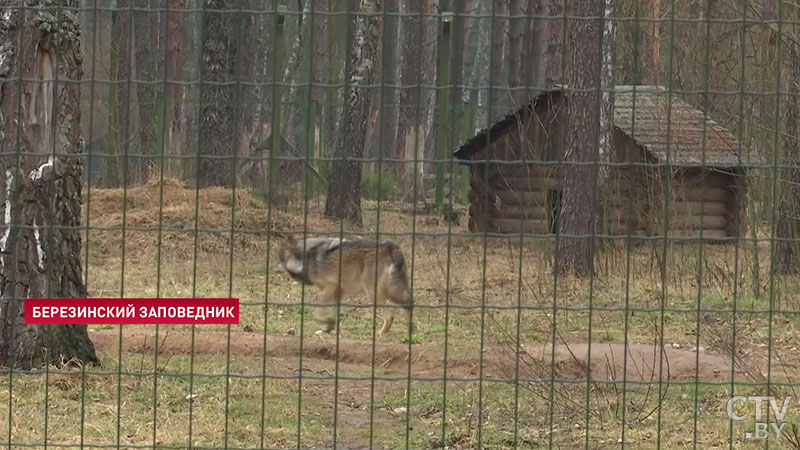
{"x":683,"y":177}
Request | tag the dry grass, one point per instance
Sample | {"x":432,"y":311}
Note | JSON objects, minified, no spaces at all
{"x":487,"y":279}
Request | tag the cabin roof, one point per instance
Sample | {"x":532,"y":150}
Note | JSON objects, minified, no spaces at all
{"x":646,"y":123}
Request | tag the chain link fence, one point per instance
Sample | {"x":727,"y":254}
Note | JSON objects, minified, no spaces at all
{"x":592,"y":205}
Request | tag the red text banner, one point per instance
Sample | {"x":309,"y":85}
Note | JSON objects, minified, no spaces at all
{"x":211,"y":311}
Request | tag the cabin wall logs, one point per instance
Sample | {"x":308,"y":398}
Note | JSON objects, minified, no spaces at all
{"x":519,"y":197}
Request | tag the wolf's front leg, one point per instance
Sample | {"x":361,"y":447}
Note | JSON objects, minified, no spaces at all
{"x":327,"y":312}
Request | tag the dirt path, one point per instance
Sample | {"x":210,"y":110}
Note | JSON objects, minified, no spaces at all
{"x":607,"y":359}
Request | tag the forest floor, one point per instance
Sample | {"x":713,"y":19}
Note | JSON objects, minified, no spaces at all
{"x":501,"y":354}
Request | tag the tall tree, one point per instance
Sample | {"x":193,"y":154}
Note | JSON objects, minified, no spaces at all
{"x":148,"y":43}
{"x":789,"y":212}
{"x":411,"y":132}
{"x":499,"y":80}
{"x":175,"y":121}
{"x":119,"y":94}
{"x":40,"y":248}
{"x":248,"y":42}
{"x":457,"y":44}
{"x":344,"y":189}
{"x":216,"y":120}
{"x":606,"y":93}
{"x":587,"y":66}
{"x":391,"y":76}
{"x":516,"y":35}
{"x":480,"y":76}
{"x":537,"y":63}
{"x":294,"y":75}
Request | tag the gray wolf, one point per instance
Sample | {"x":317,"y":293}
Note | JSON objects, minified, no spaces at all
{"x":349,"y":268}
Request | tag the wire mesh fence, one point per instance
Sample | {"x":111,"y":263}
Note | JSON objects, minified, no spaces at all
{"x":586,"y":210}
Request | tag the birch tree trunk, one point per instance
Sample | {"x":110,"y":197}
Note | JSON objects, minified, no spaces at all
{"x":344,"y":190}
{"x":430,"y":27}
{"x":480,"y":76}
{"x":607,"y":102}
{"x":586,"y":62}
{"x":38,"y":258}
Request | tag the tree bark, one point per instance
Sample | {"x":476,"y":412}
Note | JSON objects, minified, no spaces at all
{"x":249,"y":43}
{"x":292,"y":117}
{"x":499,"y":84}
{"x":480,"y":76}
{"x":39,"y":258}
{"x":344,"y":190}
{"x":175,"y":121}
{"x":606,"y":106}
{"x":457,"y":44}
{"x":119,"y":97}
{"x":411,"y":133}
{"x":789,"y":213}
{"x":586,"y":63}
{"x":391,"y":76}
{"x":216,"y":121}
{"x":147,"y":41}
{"x":516,"y":35}
{"x":537,"y":61}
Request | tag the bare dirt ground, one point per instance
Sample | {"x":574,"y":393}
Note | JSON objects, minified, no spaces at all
{"x":607,"y":360}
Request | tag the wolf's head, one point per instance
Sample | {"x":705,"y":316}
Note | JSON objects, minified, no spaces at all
{"x":290,"y":260}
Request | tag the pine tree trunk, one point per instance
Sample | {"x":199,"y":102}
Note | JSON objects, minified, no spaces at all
{"x":537,"y":61}
{"x":500,"y":94}
{"x":248,"y":42}
{"x":216,"y":120}
{"x":119,"y":95}
{"x":457,"y":44}
{"x":411,"y":133}
{"x":175,"y":121}
{"x":789,"y":211}
{"x":575,"y":221}
{"x":391,"y":75}
{"x":39,"y":258}
{"x":263,"y":93}
{"x":344,"y":190}
{"x":147,"y":33}
{"x":516,"y":35}
{"x":292,"y":115}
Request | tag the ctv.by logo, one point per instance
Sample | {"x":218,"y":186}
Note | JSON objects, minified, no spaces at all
{"x":762,"y":429}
